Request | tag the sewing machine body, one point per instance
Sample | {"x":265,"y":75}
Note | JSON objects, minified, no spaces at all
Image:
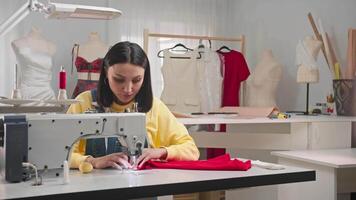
{"x":45,"y":140}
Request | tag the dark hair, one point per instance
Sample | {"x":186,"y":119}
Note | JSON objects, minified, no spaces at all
{"x":122,"y":53}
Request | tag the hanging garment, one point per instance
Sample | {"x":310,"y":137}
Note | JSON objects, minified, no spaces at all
{"x":223,"y":162}
{"x":35,"y":70}
{"x":210,"y":80}
{"x":88,"y":74}
{"x":235,"y":71}
{"x":181,"y":85}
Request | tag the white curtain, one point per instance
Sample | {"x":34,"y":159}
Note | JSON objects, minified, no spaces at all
{"x":193,"y":17}
{"x":7,"y":60}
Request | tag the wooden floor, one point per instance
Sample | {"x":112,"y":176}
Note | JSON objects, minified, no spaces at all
{"x":213,"y":195}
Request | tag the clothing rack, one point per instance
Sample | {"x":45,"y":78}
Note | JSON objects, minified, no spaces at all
{"x":147,"y":35}
{"x":240,"y":39}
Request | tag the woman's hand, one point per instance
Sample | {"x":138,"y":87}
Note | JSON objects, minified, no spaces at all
{"x":115,"y":160}
{"x":149,"y":154}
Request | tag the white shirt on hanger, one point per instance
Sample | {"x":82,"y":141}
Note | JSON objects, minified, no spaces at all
{"x":181,"y":83}
{"x":210,"y":80}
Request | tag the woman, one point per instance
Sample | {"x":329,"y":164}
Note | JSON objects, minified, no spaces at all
{"x":124,"y":80}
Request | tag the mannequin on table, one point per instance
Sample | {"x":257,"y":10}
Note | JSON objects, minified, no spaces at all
{"x":263,"y":82}
{"x":307,"y":52}
{"x":88,"y":60}
{"x":34,"y":55}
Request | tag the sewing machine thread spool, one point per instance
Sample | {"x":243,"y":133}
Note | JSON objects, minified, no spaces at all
{"x":16,"y":92}
{"x":65,"y":172}
{"x":62,"y":93}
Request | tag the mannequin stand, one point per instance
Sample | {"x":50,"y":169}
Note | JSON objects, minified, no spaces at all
{"x":307,"y":102}
{"x":306,"y":112}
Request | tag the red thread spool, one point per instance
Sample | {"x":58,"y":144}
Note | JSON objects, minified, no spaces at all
{"x":62,"y":79}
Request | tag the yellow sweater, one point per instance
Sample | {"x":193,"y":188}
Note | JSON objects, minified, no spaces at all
{"x":163,"y":130}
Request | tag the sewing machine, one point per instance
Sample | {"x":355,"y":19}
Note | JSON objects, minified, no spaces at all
{"x":45,"y":140}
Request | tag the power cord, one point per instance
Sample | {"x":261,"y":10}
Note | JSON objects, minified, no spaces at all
{"x":38,"y":181}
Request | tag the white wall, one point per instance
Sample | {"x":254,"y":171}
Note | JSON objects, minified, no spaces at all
{"x":278,"y":25}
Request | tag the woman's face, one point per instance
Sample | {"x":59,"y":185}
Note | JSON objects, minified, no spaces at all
{"x":125,"y":80}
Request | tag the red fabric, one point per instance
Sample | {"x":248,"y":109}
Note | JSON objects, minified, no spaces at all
{"x":223,"y":162}
{"x":214,"y":152}
{"x":235,"y":71}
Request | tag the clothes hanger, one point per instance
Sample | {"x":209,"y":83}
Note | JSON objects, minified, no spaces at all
{"x":201,"y":45}
{"x":224,"y":48}
{"x":159,"y":54}
{"x":180,"y":45}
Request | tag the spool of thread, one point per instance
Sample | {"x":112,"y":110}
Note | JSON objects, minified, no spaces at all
{"x":62,"y":79}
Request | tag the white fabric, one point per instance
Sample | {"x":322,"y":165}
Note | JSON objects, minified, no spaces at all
{"x":36,"y":73}
{"x":266,"y":165}
{"x":210,"y":80}
{"x":181,"y":83}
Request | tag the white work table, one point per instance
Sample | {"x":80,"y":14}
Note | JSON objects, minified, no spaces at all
{"x":233,"y":119}
{"x":336,"y":158}
{"x":256,"y":137}
{"x":262,"y":133}
{"x":114,"y":184}
{"x":335,"y":171}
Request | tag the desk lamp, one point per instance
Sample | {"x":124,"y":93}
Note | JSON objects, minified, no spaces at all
{"x":58,"y":11}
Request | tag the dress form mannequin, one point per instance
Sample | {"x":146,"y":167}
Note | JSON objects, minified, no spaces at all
{"x":88,"y":61}
{"x":263,"y":82}
{"x":34,"y":55}
{"x":307,"y":52}
{"x":94,"y":48}
{"x":308,"y":72}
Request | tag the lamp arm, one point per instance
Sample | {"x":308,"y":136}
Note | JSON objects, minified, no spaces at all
{"x":15,"y":18}
{"x":20,"y":14}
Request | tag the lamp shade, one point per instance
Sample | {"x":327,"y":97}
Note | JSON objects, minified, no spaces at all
{"x":64,"y":11}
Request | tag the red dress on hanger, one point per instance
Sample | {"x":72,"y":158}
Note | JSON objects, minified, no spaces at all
{"x":235,"y":72}
{"x":83,"y":66}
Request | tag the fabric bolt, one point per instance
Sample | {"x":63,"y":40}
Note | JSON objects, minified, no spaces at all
{"x":163,"y":131}
{"x":223,"y":162}
{"x":181,"y":86}
{"x":35,"y":70}
{"x":210,"y":80}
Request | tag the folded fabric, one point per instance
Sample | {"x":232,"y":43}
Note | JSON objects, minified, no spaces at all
{"x":223,"y":162}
